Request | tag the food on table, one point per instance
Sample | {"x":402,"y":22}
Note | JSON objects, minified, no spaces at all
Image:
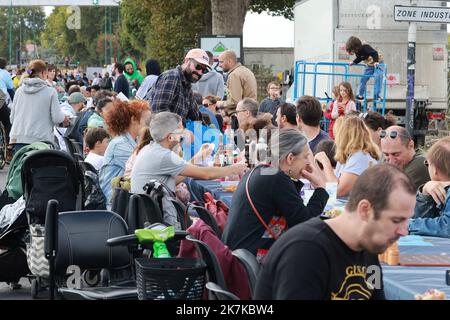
{"x":333,"y":213}
{"x":229,"y":186}
{"x":431,"y":294}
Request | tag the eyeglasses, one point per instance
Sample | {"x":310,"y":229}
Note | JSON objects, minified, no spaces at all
{"x":393,"y":134}
{"x":199,"y":67}
{"x":237,"y":111}
{"x":426,"y":163}
{"x":364,"y":116}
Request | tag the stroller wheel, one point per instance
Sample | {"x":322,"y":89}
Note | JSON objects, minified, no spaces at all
{"x":15,"y":285}
{"x":35,"y":288}
{"x":91,"y":277}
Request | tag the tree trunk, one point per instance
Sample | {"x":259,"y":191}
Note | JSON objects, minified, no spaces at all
{"x":228,"y":16}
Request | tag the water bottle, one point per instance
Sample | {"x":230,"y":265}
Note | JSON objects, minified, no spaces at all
{"x":261,"y":149}
{"x":229,"y":146}
{"x":160,"y":250}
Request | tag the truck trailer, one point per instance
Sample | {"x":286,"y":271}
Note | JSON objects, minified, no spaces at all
{"x":322,"y":28}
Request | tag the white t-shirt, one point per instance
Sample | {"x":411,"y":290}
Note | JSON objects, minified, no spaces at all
{"x":155,"y":162}
{"x":357,"y":163}
{"x":95,"y":159}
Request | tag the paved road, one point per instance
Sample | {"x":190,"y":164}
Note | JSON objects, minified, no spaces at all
{"x":6,"y":293}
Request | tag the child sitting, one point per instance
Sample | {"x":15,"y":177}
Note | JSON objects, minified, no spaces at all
{"x":432,"y":211}
{"x":97,"y":140}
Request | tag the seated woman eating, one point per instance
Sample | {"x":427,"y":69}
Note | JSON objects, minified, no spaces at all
{"x":268,"y":197}
{"x":124,"y":121}
{"x":355,"y":152}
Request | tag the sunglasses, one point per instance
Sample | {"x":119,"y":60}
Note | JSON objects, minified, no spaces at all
{"x":393,"y":134}
{"x":199,"y":67}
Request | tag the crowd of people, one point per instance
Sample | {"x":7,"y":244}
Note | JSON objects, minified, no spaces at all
{"x":140,"y":129}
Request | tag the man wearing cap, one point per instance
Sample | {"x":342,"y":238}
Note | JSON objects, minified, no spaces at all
{"x":74,"y":104}
{"x":173,"y":92}
{"x":241,"y":82}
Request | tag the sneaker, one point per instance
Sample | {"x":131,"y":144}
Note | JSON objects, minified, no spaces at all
{"x":359,"y":98}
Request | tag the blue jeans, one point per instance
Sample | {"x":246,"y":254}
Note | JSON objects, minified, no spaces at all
{"x":378,"y":78}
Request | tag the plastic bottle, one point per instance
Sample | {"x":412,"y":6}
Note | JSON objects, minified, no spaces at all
{"x":160,"y":250}
{"x":261,"y":148}
{"x":218,"y":157}
{"x":229,"y":146}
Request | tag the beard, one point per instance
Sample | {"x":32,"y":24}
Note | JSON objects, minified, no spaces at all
{"x":188,"y":74}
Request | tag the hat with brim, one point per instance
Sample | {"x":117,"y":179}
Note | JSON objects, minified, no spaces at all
{"x":76,"y":97}
{"x":200,"y":56}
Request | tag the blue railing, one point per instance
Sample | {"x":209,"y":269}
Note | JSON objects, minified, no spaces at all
{"x":304,"y":68}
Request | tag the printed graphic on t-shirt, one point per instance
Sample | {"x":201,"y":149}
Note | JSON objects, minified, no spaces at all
{"x":278,"y":225}
{"x":354,"y":286}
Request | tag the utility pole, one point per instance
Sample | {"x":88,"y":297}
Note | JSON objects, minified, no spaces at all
{"x":10,"y":32}
{"x":411,"y":74}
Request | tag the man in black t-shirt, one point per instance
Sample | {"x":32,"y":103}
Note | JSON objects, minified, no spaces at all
{"x":121,"y":84}
{"x":337,"y":259}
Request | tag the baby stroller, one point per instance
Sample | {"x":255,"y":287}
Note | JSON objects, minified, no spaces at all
{"x":47,"y":174}
{"x":13,"y":258}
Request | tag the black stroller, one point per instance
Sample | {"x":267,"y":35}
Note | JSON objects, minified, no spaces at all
{"x":47,"y":174}
{"x":13,"y":257}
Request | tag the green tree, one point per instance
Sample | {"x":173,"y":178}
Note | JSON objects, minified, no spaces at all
{"x":163,"y":29}
{"x":81,"y":44}
{"x":24,"y":22}
{"x":276,"y":8}
{"x":175,"y":28}
{"x":134,"y":29}
{"x":228,"y":16}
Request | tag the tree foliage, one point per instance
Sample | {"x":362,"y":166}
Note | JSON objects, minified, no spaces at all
{"x":80,"y":44}
{"x":274,"y":7}
{"x":134,"y":29}
{"x":24,"y":21}
{"x":175,"y":28}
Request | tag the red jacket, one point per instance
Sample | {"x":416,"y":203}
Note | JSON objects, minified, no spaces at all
{"x":234,"y":273}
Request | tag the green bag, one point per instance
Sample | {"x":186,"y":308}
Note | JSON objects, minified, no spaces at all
{"x":14,"y":179}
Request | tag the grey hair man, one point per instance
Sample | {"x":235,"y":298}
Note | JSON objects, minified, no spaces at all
{"x":398,"y":149}
{"x":158,"y":160}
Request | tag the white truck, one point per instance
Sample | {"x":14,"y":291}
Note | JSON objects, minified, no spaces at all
{"x":322,"y":28}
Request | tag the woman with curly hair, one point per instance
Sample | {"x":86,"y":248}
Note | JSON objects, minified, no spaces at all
{"x":124,"y":121}
{"x":355,"y":152}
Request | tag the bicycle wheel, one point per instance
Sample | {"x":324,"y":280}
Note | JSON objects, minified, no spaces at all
{"x":3,"y":146}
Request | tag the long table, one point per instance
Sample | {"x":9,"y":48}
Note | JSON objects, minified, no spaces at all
{"x":400,"y":282}
{"x":404,"y":282}
{"x":216,"y":190}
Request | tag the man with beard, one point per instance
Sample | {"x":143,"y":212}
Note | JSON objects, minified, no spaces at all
{"x":336,"y":259}
{"x":172,"y":91}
